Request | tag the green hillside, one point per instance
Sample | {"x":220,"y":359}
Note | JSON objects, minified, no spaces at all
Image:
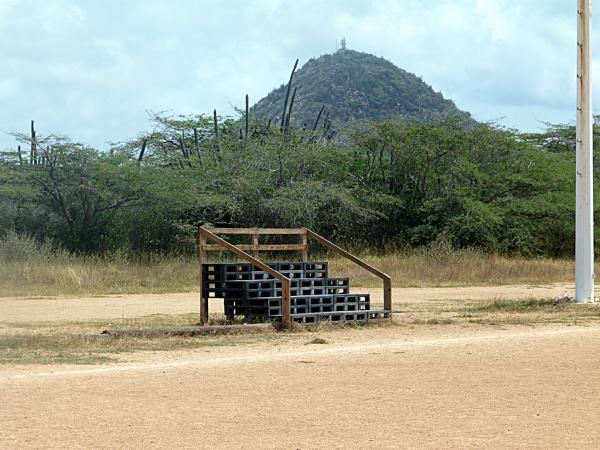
{"x":355,"y":86}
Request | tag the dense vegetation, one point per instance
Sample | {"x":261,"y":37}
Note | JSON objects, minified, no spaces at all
{"x":391,"y":184}
{"x":353,"y":86}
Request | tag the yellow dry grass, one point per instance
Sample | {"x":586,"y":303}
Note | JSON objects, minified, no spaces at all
{"x":96,"y":276}
{"x":457,"y":268}
{"x":80,"y":276}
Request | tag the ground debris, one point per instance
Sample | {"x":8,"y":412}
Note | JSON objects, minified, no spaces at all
{"x":562,"y":299}
{"x":190,"y":331}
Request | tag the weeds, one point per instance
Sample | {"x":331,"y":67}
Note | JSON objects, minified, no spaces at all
{"x":83,"y":348}
{"x":317,"y":340}
{"x":516,"y":305}
{"x":434,"y":321}
{"x":48,"y":274}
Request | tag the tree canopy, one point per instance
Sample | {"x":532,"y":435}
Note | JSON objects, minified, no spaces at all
{"x":390,"y":184}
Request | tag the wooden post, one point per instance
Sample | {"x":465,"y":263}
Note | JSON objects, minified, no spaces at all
{"x":203,"y":300}
{"x":255,"y":244}
{"x":286,"y":305}
{"x":387,"y":295}
{"x":304,"y":241}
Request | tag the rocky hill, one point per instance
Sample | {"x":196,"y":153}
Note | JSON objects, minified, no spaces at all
{"x":353,"y":86}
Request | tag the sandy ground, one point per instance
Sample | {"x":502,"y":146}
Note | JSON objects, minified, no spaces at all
{"x":444,"y":386}
{"x":127,"y":306}
{"x":376,"y":388}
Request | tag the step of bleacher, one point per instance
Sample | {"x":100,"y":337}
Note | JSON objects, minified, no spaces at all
{"x":223,"y":272}
{"x":309,"y":304}
{"x":314,"y":296}
{"x":272,"y":288}
{"x":341,"y":317}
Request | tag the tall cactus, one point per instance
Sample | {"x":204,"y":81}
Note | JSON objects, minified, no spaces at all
{"x":216,"y":129}
{"x":33,"y":152}
{"x":326,"y":119}
{"x":287,"y":96}
{"x":318,"y":117}
{"x":216,"y":123}
{"x":197,"y":145}
{"x":289,"y":116}
{"x":186,"y":153}
{"x":142,"y":150}
{"x":182,"y":145}
{"x":247,"y":115}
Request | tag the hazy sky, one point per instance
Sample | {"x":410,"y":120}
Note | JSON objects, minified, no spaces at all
{"x":92,"y":69}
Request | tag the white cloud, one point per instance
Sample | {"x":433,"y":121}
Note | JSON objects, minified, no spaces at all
{"x":499,"y":19}
{"x":93,"y":69}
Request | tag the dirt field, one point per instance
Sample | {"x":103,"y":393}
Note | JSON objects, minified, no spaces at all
{"x":125,"y":306}
{"x":409,"y":385}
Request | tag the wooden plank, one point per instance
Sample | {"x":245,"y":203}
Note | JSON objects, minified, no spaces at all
{"x":387,"y":295}
{"x":280,"y":247}
{"x":286,"y":307}
{"x":259,"y":247}
{"x":298,"y":231}
{"x":304,"y":240}
{"x":255,"y":245}
{"x":232,"y":230}
{"x":219,"y":247}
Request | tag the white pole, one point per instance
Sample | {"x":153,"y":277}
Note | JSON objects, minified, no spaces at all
{"x":584,"y":234}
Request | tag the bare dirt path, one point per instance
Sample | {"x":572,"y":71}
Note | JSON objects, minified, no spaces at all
{"x":128,"y":306}
{"x":393,"y":387}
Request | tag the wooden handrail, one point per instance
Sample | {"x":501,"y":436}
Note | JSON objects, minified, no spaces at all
{"x":256,"y":247}
{"x":387,"y":281}
{"x":257,"y":230}
{"x":286,"y":318}
{"x":259,"y":247}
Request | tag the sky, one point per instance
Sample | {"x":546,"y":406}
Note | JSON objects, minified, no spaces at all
{"x":93,"y":70}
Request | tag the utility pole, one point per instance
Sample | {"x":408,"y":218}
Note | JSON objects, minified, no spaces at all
{"x":584,"y":219}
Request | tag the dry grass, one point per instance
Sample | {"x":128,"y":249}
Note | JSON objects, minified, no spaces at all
{"x":78,"y":276}
{"x":432,"y":268}
{"x":527,"y":311}
{"x":81,"y":342}
{"x":96,"y":276}
{"x":317,"y":340}
{"x":149,"y":321}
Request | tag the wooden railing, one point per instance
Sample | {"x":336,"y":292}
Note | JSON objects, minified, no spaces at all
{"x":256,"y":247}
{"x":220,"y":244}
{"x":387,"y":281}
